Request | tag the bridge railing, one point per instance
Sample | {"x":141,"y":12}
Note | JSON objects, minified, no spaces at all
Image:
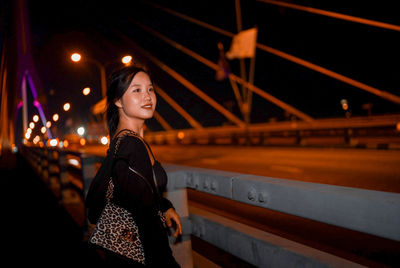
{"x":380,"y":131}
{"x":367,"y":211}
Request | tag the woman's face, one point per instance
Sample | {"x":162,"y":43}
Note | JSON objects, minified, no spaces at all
{"x":139,"y":100}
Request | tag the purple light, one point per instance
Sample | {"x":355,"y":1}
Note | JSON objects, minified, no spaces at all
{"x":32,"y":86}
{"x":19,"y":105}
{"x":36,"y":103}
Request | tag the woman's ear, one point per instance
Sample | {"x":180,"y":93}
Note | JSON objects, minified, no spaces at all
{"x":118,"y":103}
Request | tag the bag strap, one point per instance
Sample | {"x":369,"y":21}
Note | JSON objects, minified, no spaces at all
{"x":146,"y":145}
{"x":122,"y":133}
{"x":110,"y":188}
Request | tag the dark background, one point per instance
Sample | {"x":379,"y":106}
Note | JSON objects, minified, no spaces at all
{"x":364,"y":53}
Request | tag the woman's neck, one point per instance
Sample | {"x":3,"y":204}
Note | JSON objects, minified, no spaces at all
{"x":136,"y":126}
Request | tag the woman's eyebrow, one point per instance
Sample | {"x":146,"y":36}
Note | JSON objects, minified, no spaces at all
{"x":138,"y":85}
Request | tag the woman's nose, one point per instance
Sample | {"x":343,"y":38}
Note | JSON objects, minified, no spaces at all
{"x":147,"y":95}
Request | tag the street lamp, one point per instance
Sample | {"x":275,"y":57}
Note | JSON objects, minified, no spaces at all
{"x":86,"y":91}
{"x":127,"y":60}
{"x":81,"y":131}
{"x":76,"y":57}
{"x":66,"y":106}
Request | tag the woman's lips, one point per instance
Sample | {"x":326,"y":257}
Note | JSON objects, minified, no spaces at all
{"x":147,"y":106}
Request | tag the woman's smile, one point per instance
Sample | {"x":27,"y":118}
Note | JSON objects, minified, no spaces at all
{"x":147,"y":106}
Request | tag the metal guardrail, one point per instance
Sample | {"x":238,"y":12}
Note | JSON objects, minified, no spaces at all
{"x":367,"y":211}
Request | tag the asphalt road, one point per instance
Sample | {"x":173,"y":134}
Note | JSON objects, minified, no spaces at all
{"x":361,"y":168}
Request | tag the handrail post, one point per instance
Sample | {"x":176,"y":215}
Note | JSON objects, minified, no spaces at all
{"x":53,"y":172}
{"x":177,"y":194}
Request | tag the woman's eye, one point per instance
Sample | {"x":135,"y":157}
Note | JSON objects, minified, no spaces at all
{"x":151,"y":89}
{"x":135,"y":90}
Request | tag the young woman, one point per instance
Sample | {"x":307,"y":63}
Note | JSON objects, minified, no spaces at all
{"x":138,"y":180}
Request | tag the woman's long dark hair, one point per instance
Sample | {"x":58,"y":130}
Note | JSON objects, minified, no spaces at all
{"x":119,"y":83}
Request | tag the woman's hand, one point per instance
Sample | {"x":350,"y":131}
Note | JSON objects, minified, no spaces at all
{"x":171,"y":214}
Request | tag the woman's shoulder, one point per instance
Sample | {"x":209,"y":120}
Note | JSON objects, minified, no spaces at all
{"x":127,"y":143}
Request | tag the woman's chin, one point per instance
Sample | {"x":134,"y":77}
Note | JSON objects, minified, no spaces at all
{"x":148,"y":115}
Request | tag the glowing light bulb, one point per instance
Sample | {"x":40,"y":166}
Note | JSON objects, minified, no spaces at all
{"x":81,"y":130}
{"x":76,"y":57}
{"x":127,"y":59}
{"x":67,"y":106}
{"x":86,"y":91}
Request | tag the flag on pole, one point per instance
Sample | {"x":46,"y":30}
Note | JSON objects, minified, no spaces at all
{"x":243,"y":45}
{"x":223,"y":65}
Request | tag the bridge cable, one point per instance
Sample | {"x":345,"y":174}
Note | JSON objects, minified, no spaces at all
{"x":380,"y":93}
{"x":233,"y":77}
{"x":162,"y":121}
{"x":184,"y":82}
{"x":334,"y":15}
{"x":178,"y":108}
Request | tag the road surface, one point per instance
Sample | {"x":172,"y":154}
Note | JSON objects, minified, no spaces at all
{"x":361,"y":168}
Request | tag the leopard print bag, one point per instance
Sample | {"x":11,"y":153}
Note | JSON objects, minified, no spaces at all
{"x":117,"y":231}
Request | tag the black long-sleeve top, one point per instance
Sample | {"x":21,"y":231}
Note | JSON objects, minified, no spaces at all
{"x":139,"y":197}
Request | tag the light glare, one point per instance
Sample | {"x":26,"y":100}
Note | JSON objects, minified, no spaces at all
{"x":82,"y":141}
{"x":86,"y":91}
{"x":66,"y":143}
{"x":53,"y":142}
{"x":104,"y":140}
{"x":81,"y":130}
{"x":181,"y":135}
{"x":127,"y":59}
{"x":73,"y":162}
{"x":66,"y":106}
{"x":76,"y":57}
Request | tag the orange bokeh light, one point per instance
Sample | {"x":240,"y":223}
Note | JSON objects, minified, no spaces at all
{"x":82,"y":141}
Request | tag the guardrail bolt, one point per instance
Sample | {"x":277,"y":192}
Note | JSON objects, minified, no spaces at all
{"x":190,"y":180}
{"x":252,"y":194}
{"x":206,"y":184}
{"x":262,"y":197}
{"x":214,"y":186}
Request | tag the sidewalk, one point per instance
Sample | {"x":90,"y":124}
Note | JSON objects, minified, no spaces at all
{"x":37,"y":229}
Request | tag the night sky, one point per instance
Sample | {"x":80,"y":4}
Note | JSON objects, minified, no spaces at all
{"x":364,"y":53}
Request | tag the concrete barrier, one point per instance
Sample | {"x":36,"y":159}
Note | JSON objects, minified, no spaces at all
{"x":367,"y":211}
